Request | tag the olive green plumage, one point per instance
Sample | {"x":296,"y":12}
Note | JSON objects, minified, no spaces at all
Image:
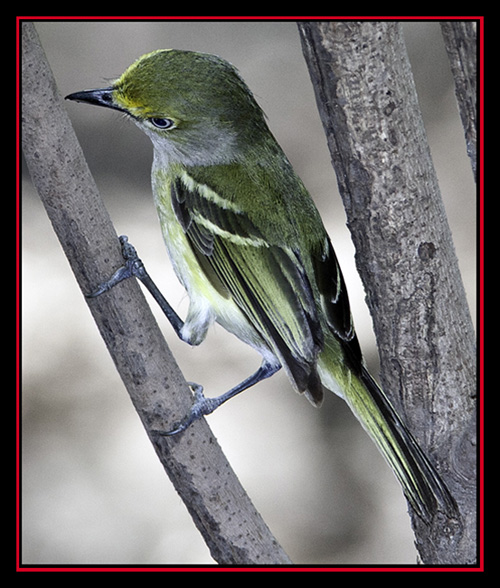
{"x":248,"y":244}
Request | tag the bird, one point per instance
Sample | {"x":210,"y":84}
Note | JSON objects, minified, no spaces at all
{"x":248,"y":244}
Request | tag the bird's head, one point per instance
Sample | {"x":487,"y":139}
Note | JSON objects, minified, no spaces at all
{"x":195,"y":107}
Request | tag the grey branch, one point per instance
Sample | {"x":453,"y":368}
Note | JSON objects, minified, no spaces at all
{"x":460,"y":39}
{"x":233,"y":530}
{"x":404,"y":253}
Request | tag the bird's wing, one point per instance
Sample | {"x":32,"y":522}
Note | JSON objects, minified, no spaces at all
{"x":335,"y":304}
{"x":267,"y":281}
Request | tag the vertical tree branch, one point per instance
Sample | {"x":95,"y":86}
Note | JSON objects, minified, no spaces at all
{"x":404,"y":253}
{"x":233,"y":530}
{"x":460,"y":38}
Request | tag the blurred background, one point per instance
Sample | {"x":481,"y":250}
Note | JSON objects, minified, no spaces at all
{"x":93,"y":489}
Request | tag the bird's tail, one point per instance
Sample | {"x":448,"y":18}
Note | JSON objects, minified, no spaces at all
{"x":421,"y":483}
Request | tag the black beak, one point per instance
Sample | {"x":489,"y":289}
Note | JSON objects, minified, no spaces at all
{"x":102,"y":97}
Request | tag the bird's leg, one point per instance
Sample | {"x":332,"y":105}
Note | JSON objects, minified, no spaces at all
{"x":203,"y":405}
{"x":135,"y":268}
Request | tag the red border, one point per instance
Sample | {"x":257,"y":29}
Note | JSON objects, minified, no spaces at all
{"x":215,"y":568}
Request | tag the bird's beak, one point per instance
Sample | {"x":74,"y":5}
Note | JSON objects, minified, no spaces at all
{"x":102,"y":97}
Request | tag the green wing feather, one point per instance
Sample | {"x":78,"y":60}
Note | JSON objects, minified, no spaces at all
{"x":267,"y":281}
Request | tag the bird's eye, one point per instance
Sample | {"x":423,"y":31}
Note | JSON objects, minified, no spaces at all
{"x":162,"y":123}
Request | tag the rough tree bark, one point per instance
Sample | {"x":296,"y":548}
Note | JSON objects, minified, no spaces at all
{"x":460,"y":38}
{"x":404,"y":253}
{"x":233,"y":530}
